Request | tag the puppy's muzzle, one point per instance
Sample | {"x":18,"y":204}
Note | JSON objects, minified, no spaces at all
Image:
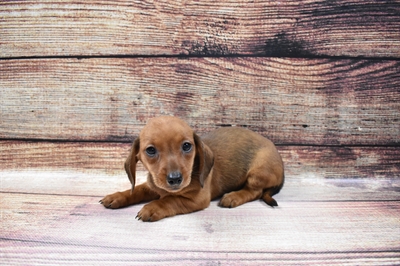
{"x":174,"y":179}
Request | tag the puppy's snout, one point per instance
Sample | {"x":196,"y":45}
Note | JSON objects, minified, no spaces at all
{"x":174,"y":178}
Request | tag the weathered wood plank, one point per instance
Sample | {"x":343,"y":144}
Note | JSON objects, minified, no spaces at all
{"x":108,"y":158}
{"x":284,"y":28}
{"x":26,"y":252}
{"x":301,"y":188}
{"x":318,"y":228}
{"x":342,"y":162}
{"x":292,"y":101}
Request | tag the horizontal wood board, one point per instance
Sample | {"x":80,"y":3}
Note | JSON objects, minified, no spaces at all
{"x":60,"y":254}
{"x":305,"y":187}
{"x":317,"y":232}
{"x":300,"y":161}
{"x":291,"y":101}
{"x":271,"y":28}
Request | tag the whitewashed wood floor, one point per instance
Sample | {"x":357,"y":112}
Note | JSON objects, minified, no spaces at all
{"x":55,"y":218}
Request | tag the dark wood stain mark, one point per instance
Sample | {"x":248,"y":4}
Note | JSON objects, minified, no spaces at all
{"x":284,"y":44}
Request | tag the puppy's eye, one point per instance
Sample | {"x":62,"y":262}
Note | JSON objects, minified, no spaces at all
{"x":151,"y":151}
{"x":187,"y":147}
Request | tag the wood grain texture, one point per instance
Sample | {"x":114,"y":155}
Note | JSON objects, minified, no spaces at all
{"x":291,"y":101}
{"x":26,"y":252}
{"x":108,"y":158}
{"x":83,"y":77}
{"x":342,"y":162}
{"x":284,"y":28}
{"x":304,"y":187}
{"x":322,"y":231}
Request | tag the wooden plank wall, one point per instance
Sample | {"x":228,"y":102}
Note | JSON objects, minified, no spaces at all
{"x":79,"y":79}
{"x":320,"y":78}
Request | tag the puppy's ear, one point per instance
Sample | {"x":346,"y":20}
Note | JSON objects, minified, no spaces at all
{"x":204,"y":159}
{"x":130,"y":163}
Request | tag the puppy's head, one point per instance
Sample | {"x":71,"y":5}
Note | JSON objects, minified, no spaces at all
{"x":171,"y":152}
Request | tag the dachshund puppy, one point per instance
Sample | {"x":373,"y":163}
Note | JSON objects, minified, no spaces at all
{"x":186,"y":172}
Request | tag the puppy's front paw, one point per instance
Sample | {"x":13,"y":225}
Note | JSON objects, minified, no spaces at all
{"x":114,"y":201}
{"x":151,"y":212}
{"x":229,"y":200}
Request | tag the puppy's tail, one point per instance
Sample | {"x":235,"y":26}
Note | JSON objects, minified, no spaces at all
{"x":268,"y":193}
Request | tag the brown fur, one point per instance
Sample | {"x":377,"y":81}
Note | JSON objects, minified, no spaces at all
{"x":235,"y":163}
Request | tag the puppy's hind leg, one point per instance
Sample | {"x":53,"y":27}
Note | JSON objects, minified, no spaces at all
{"x":236,"y":198}
{"x":264,"y":179}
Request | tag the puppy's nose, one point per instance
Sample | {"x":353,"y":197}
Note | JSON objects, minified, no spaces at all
{"x":174,"y":178}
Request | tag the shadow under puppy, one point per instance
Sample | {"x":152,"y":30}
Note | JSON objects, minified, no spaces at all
{"x":186,"y":172}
